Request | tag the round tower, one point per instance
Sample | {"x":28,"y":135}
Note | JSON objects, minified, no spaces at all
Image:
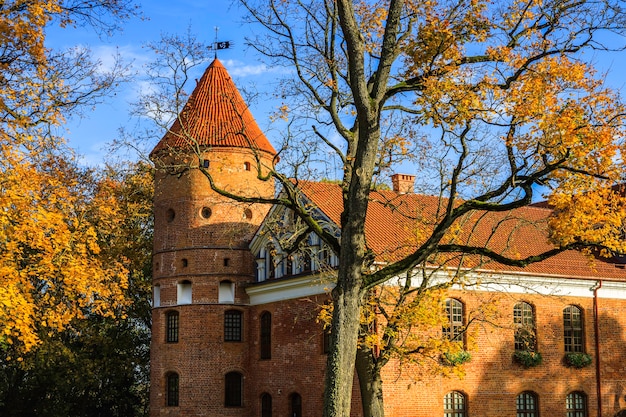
{"x":201,"y":259}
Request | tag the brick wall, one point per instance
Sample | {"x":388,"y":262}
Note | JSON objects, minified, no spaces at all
{"x":193,"y":246}
{"x":201,"y":238}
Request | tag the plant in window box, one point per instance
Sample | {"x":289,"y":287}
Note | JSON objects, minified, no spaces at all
{"x":527,"y":358}
{"x":577,"y":359}
{"x":456,"y":358}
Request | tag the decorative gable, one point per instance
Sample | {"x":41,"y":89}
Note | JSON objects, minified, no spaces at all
{"x":282,"y":248}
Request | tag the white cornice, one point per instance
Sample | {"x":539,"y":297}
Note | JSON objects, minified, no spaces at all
{"x":305,"y":286}
{"x":288,"y":289}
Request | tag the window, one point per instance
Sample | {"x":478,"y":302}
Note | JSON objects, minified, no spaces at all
{"x":576,"y":404}
{"x":269,"y":262}
{"x":183,"y":292}
{"x":326,"y":339}
{"x":233,"y":389}
{"x":305,"y":261}
{"x":171,"y":396}
{"x":573,"y":329}
{"x":454,"y":311}
{"x":324,"y":256}
{"x":170,"y":214}
{"x":171,"y":331}
{"x":246,"y":166}
{"x":295,"y":405}
{"x":266,"y":335}
{"x":454,"y":405}
{"x":206,"y":212}
{"x":156,"y":295}
{"x":260,"y":267}
{"x":288,"y":265}
{"x":524,"y":322}
{"x":232,"y":326}
{"x":266,"y":405}
{"x":527,"y":405}
{"x":226,"y":293}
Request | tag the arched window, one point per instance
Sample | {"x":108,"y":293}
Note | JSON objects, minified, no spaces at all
{"x":524,"y":322}
{"x":266,"y":335}
{"x":454,"y":405}
{"x":183,"y":292}
{"x":232,"y":326}
{"x":454,"y":312}
{"x":288,"y":265}
{"x":233,"y":389}
{"x":226,"y":293}
{"x":295,"y":405}
{"x":270,"y":262}
{"x":324,"y":255}
{"x":576,"y":404}
{"x":305,"y":261}
{"x":261,"y":274}
{"x":326,"y":339}
{"x":171,"y":394}
{"x":573,"y":329}
{"x":156,"y":295}
{"x":266,"y":405}
{"x":526,"y":404}
{"x":171,"y":326}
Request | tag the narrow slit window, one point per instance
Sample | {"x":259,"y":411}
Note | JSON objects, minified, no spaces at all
{"x":266,"y":335}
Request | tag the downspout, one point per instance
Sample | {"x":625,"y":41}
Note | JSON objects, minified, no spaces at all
{"x":597,"y":342}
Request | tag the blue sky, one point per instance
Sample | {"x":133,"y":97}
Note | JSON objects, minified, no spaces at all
{"x":90,"y":134}
{"x":100,"y":125}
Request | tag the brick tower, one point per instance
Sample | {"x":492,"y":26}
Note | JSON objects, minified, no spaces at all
{"x":201,"y":258}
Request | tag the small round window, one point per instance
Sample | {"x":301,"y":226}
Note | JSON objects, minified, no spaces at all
{"x":205,"y":212}
{"x":247,"y":214}
{"x":170,"y":215}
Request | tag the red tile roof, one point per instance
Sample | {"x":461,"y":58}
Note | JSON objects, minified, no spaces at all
{"x":215,"y":115}
{"x":397,"y":223}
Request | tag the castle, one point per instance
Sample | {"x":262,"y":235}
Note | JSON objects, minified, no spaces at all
{"x":235,"y":329}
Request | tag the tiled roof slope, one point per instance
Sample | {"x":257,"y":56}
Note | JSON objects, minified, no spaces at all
{"x":215,"y":115}
{"x":397,"y":223}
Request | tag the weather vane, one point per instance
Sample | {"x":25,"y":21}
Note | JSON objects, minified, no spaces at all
{"x":217,"y":45}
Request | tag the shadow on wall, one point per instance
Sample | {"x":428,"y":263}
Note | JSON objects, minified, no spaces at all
{"x":226,"y":234}
{"x":613,"y":360}
{"x":548,"y":384}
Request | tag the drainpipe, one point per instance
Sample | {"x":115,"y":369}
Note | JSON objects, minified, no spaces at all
{"x":597,"y":342}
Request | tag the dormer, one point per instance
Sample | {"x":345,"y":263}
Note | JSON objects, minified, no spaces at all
{"x":274,"y":251}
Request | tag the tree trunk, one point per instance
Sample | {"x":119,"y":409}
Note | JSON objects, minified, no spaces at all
{"x":347,"y":300}
{"x":370,"y":383}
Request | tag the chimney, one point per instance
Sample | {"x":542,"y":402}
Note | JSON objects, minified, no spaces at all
{"x":403,"y":183}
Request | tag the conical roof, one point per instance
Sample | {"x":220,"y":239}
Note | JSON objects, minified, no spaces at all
{"x":215,"y":116}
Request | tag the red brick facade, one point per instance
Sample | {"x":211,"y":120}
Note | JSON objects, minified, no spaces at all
{"x":201,"y":248}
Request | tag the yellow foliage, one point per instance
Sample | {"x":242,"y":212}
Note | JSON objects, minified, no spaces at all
{"x":50,"y":260}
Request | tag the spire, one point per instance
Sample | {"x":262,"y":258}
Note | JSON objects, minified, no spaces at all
{"x":215,"y":116}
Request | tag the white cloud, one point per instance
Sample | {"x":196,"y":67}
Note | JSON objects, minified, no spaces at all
{"x":238,"y":69}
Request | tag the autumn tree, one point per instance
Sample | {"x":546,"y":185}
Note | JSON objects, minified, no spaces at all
{"x":498,"y":99}
{"x":495,"y":105}
{"x":48,"y":257}
{"x":96,"y":365}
